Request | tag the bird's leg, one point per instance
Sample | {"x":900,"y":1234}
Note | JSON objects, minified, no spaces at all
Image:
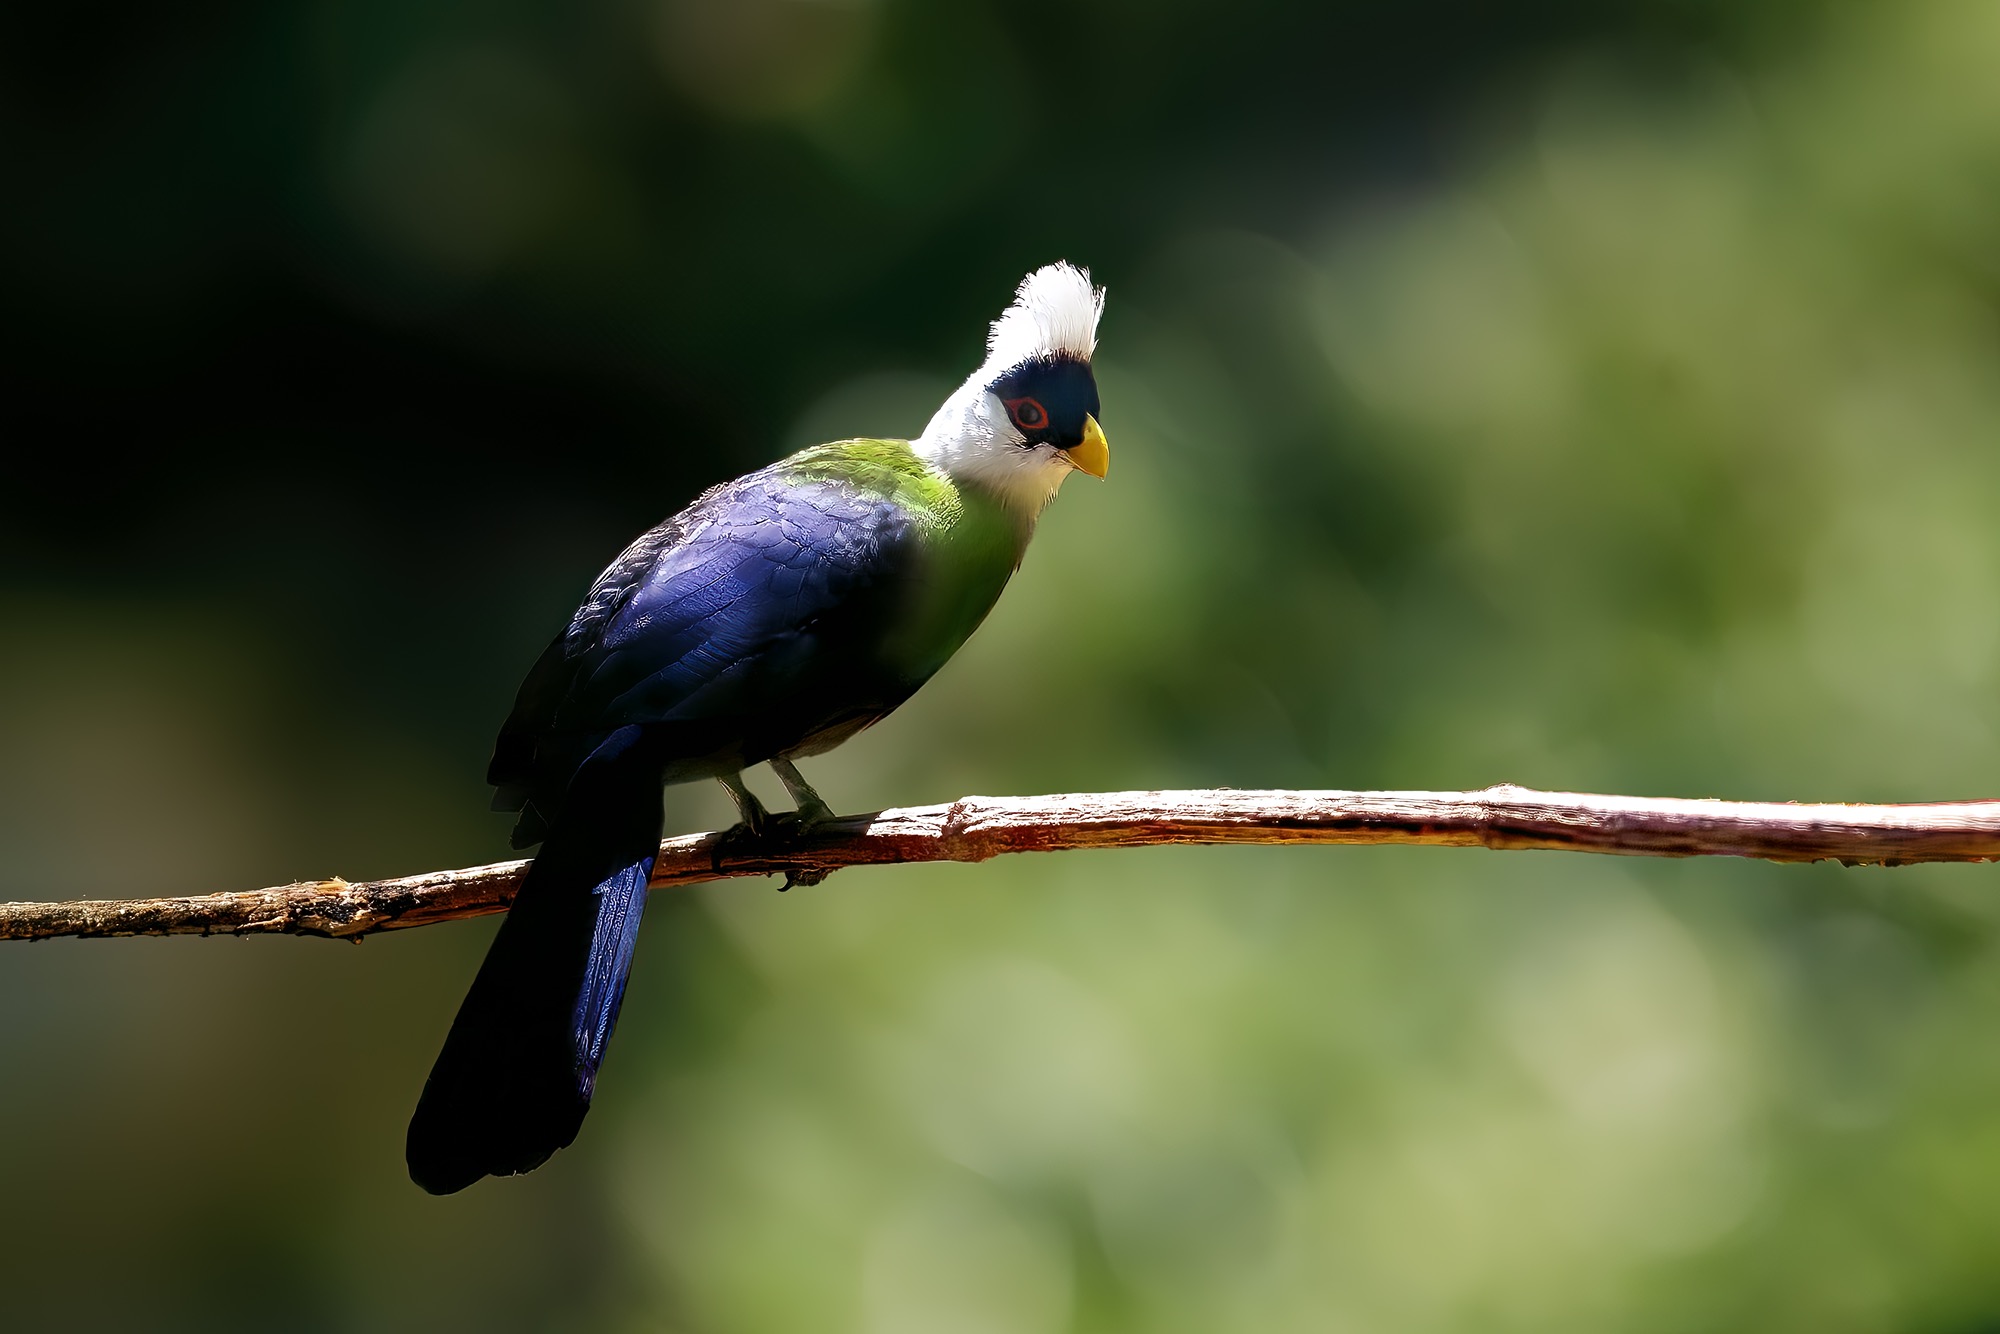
{"x":812,"y":808}
{"x":752,"y":817}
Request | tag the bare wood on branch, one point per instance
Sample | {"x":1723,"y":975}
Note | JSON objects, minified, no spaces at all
{"x":976,"y":828}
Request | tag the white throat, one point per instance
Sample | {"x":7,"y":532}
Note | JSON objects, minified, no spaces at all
{"x":970,"y":439}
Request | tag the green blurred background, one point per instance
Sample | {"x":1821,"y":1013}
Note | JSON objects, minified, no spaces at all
{"x":1582,"y":395}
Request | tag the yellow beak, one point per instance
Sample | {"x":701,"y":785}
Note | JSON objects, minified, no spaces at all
{"x":1093,"y":452}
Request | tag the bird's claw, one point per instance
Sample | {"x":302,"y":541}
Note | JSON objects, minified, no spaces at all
{"x":806,"y":876}
{"x":739,"y":838}
{"x":811,"y":813}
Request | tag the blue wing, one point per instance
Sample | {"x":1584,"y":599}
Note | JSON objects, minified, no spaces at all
{"x":743,"y":625}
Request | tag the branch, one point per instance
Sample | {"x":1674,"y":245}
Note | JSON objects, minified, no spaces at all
{"x":976,"y":828}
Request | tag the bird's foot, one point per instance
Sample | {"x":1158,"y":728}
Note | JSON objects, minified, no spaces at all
{"x":758,"y":826}
{"x":812,"y":812}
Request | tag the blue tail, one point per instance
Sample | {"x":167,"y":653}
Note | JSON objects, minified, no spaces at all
{"x":520,"y":1064}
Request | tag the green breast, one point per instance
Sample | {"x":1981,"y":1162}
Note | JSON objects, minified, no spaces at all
{"x":960,"y":549}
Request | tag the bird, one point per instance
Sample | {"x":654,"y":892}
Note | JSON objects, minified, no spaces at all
{"x":772,"y":619}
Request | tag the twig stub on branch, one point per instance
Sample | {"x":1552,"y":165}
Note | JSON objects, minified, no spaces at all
{"x":975,"y":828}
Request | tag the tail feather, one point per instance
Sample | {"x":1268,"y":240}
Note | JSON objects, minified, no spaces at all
{"x":621,"y":901}
{"x":518,"y":1068}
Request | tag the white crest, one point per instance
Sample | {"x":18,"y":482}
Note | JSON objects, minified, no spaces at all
{"x":1055,"y":311}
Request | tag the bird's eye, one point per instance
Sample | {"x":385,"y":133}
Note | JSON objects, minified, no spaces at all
{"x":1028,"y":413}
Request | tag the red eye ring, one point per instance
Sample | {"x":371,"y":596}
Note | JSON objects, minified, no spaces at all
{"x":1028,"y":413}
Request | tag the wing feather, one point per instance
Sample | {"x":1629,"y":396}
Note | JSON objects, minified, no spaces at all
{"x":737,"y":618}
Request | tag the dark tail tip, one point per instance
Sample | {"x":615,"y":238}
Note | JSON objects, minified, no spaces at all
{"x":490,"y":1119}
{"x":441,"y":1168}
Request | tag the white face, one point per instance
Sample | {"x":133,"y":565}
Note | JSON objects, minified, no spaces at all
{"x":971,"y":440}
